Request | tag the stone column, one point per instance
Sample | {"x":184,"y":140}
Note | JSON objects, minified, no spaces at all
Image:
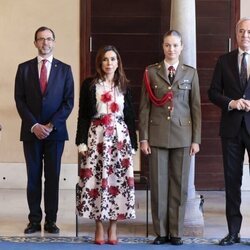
{"x":183,"y":19}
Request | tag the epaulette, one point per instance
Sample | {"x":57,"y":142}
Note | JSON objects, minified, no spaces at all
{"x":188,"y":66}
{"x":153,"y":65}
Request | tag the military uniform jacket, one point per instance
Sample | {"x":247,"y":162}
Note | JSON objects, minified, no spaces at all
{"x":164,"y":127}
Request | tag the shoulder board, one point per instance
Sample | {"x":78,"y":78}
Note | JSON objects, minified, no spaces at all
{"x":188,"y":66}
{"x":153,"y":65}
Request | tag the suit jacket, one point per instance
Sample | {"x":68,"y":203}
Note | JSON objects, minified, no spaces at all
{"x":87,"y":110}
{"x":181,"y":126}
{"x":54,"y":106}
{"x":226,"y":86}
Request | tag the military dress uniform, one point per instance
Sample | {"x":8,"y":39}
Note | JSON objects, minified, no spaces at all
{"x":170,"y":129}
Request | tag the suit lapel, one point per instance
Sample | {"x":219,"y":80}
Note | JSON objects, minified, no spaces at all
{"x":52,"y":75}
{"x":179,"y":73}
{"x":235,"y":67}
{"x":34,"y":70}
{"x":162,"y":72}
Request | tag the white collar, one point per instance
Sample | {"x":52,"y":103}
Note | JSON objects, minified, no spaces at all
{"x":174,"y":65}
{"x":49,"y":59}
{"x":241,"y":52}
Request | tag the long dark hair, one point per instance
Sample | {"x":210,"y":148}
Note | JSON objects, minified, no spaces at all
{"x":120,"y":78}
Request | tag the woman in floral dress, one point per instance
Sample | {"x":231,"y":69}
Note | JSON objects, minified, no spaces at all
{"x":106,"y":140}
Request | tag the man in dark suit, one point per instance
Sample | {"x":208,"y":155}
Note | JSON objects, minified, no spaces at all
{"x":170,"y":132}
{"x":230,"y":90}
{"x":43,"y":105}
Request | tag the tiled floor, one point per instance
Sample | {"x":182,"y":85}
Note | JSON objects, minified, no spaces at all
{"x":13,"y":215}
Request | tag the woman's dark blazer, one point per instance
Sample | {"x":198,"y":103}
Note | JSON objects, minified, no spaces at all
{"x":87,"y":110}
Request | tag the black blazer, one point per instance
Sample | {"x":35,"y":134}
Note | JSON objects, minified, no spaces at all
{"x":87,"y":110}
{"x":225,"y":87}
{"x":54,"y":106}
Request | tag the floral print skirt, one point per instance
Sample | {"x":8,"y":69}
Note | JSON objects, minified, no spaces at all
{"x":106,"y":185}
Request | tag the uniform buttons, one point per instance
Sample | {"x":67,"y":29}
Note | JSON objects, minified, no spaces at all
{"x":189,"y":122}
{"x":169,"y":107}
{"x":168,"y":117}
{"x":169,"y":88}
{"x":244,"y":96}
{"x":155,"y":86}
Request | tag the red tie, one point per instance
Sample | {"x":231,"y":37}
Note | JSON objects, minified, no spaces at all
{"x":43,"y":76}
{"x":171,"y":74}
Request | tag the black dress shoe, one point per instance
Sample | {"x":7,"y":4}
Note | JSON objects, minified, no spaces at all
{"x":176,"y":241}
{"x":51,"y":227}
{"x":160,"y":240}
{"x":230,"y":239}
{"x":32,"y":227}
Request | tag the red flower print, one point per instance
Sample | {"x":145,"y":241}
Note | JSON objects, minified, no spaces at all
{"x":86,"y":173}
{"x":79,"y":207}
{"x":109,"y":150}
{"x":104,"y":183}
{"x":121,"y":217}
{"x":125,"y":163}
{"x":131,"y":182}
{"x":97,"y":122}
{"x":106,"y":97}
{"x":109,"y":131}
{"x":106,"y":120}
{"x":110,"y":171}
{"x":93,"y":193}
{"x":119,"y":145}
{"x":114,"y":107}
{"x":113,"y":190}
{"x":100,"y":148}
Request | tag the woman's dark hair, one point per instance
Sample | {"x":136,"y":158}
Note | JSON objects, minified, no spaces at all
{"x":120,"y":78}
{"x":43,"y":28}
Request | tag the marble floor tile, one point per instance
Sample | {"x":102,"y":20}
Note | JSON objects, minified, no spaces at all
{"x":14,"y":210}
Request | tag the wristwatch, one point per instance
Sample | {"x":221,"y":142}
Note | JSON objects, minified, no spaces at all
{"x":50,"y":125}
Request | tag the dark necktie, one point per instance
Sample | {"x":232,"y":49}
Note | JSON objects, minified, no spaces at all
{"x":43,"y":76}
{"x":171,"y":74}
{"x":243,"y":70}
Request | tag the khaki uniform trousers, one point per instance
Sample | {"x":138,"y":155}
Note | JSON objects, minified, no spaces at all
{"x":169,"y":176}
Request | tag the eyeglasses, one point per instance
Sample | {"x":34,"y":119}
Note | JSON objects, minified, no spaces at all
{"x":42,"y":39}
